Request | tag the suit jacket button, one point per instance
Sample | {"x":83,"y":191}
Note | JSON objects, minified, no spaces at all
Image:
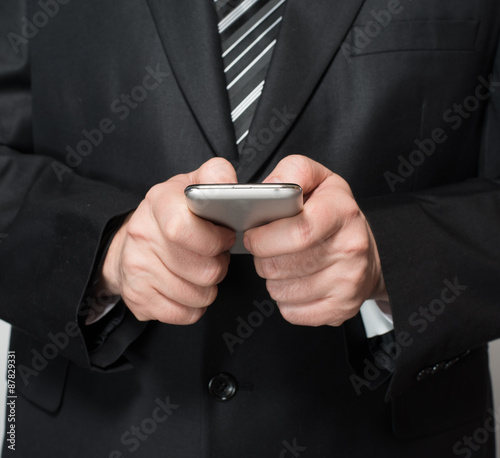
{"x":437,"y":368}
{"x":423,"y":374}
{"x":222,"y":387}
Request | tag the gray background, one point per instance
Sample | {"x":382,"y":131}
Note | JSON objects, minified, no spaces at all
{"x":4,"y":345}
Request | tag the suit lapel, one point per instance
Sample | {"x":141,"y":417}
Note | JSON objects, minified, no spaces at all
{"x":188,"y":31}
{"x":311,"y":33}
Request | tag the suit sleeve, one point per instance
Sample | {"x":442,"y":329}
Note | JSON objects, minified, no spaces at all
{"x":51,"y":229}
{"x":440,"y":254}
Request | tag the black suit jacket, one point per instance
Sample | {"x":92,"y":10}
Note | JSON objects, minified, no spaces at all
{"x":107,"y":98}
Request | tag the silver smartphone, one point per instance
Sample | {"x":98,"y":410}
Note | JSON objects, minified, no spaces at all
{"x":244,"y":206}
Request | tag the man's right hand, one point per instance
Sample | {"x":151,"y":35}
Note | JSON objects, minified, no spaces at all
{"x":164,"y":261}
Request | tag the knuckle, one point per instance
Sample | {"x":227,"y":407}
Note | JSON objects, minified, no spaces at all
{"x":358,"y":244}
{"x":175,"y":228}
{"x":135,"y":229}
{"x":309,"y":317}
{"x":215,"y":241}
{"x":293,"y":316}
{"x":322,"y":313}
{"x":195,"y":316}
{"x":139,"y":316}
{"x":208,"y":296}
{"x":313,"y":320}
{"x":275,"y":290}
{"x":213,"y":246}
{"x":180,"y":315}
{"x":267,"y":268}
{"x":191,"y":295}
{"x":155,"y":194}
{"x":351,"y":210}
{"x":217,"y":168}
{"x":213,"y":273}
{"x":133,"y":298}
{"x":303,"y":234}
{"x":301,"y":165}
{"x":131,"y":263}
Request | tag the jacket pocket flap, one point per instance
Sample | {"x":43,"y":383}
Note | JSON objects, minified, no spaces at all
{"x":446,"y":400}
{"x":373,"y":38}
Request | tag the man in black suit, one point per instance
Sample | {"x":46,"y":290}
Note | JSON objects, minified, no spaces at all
{"x":385,"y":113}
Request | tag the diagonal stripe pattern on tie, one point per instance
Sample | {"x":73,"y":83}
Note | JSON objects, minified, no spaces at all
{"x":248,"y":29}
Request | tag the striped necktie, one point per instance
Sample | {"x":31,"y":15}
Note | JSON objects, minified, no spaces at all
{"x":248,"y":29}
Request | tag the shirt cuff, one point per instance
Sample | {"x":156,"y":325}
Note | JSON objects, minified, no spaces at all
{"x":100,"y":308}
{"x":376,"y":319}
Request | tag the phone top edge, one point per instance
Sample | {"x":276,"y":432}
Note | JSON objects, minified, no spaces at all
{"x":242,"y":186}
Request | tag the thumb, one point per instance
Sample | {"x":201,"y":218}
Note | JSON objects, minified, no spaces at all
{"x":301,"y":170}
{"x":216,"y":170}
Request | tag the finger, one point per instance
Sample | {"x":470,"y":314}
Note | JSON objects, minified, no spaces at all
{"x":186,"y":230}
{"x":194,"y":267}
{"x":146,"y":303}
{"x":323,"y":215}
{"x":318,"y":313}
{"x":201,"y":236}
{"x":344,"y":280}
{"x":171,"y":312}
{"x":183,"y":292}
{"x":150,"y":273}
{"x":216,"y":170}
{"x":298,"y":291}
{"x":155,"y":306}
{"x":353,"y":241}
{"x":295,"y":265}
{"x":178,"y":225}
{"x":301,"y":170}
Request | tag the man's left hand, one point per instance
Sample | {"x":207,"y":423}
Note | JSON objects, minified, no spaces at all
{"x":323,"y":263}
